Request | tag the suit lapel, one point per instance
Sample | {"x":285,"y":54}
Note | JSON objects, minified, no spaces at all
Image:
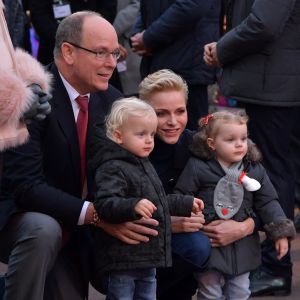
{"x":63,"y":112}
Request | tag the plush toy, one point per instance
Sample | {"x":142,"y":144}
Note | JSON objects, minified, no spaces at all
{"x":229,"y":191}
{"x":250,"y":184}
{"x":24,"y":90}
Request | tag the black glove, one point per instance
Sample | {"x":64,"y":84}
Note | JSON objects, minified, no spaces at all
{"x":40,"y":106}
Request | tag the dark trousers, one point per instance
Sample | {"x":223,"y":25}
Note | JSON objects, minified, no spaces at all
{"x":37,"y":267}
{"x":197,"y":105}
{"x":190,"y":253}
{"x":270,"y":128}
{"x":295,"y":150}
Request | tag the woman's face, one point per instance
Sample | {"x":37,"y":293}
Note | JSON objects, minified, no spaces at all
{"x":170,"y":108}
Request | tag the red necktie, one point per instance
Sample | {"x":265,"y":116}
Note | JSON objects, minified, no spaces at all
{"x":82,"y":123}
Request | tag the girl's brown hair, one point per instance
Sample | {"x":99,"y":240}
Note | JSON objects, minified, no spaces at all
{"x":208,"y":128}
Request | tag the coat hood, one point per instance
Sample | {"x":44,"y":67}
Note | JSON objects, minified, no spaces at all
{"x":104,"y":149}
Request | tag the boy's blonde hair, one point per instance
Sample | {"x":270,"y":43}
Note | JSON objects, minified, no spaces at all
{"x":162,"y":80}
{"x":124,"y":108}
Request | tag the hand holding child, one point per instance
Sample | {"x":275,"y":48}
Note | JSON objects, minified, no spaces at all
{"x":145,"y":208}
{"x":282,"y":247}
{"x":198,"y":205}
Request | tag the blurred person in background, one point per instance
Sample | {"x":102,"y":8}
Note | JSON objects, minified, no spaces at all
{"x":47,"y":14}
{"x":170,"y":34}
{"x":128,"y":67}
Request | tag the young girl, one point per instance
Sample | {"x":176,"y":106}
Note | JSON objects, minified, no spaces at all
{"x":128,"y":188}
{"x":227,"y":175}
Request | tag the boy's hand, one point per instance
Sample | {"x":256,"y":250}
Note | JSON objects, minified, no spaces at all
{"x":198,"y":205}
{"x":282,"y":247}
{"x":145,"y":208}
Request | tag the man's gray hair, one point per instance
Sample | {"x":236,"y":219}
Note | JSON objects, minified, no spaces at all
{"x":70,"y":30}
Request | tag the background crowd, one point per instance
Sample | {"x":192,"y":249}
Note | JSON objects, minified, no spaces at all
{"x":249,"y":48}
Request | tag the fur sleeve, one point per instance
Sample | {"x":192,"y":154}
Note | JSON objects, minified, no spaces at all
{"x":280,"y":229}
{"x":31,"y":71}
{"x":15,"y":97}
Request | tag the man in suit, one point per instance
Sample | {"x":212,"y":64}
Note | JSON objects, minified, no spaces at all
{"x":44,"y":231}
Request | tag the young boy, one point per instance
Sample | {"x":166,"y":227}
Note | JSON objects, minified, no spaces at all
{"x":128,"y":188}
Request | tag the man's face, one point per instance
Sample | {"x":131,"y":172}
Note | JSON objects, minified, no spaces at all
{"x":89,"y":72}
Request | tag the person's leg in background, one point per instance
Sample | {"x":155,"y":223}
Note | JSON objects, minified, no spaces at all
{"x":190,"y":254}
{"x":2,"y":286}
{"x":197,"y":105}
{"x":295,"y":150}
{"x":270,"y":128}
{"x":30,"y":243}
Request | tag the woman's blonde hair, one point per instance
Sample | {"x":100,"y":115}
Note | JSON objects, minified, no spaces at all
{"x":162,"y":80}
{"x":124,"y":108}
{"x":208,"y":128}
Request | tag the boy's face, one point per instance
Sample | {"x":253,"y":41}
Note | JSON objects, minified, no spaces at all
{"x":230,"y":143}
{"x":137,"y":135}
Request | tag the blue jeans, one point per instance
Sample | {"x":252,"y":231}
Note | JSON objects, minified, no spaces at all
{"x":135,"y":284}
{"x":194,"y":247}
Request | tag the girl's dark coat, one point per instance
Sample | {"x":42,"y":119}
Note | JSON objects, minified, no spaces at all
{"x":199,"y":179}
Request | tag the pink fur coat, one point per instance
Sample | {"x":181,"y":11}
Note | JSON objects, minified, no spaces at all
{"x":18,"y":69}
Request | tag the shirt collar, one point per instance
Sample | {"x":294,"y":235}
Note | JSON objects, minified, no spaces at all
{"x":73,"y":94}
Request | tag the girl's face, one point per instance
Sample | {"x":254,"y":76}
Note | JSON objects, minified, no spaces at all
{"x":230,"y":143}
{"x":170,"y":108}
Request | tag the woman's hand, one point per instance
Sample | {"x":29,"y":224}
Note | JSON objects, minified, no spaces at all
{"x":187,"y":224}
{"x":225,"y":232}
{"x":131,"y":232}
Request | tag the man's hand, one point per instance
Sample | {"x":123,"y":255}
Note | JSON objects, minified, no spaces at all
{"x":187,"y":224}
{"x":123,"y":51}
{"x":131,"y":232}
{"x":137,"y":44}
{"x":40,"y":106}
{"x":210,"y":55}
{"x":225,"y":232}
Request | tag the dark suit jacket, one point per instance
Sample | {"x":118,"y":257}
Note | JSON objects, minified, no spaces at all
{"x":43,"y":20}
{"x":44,"y":174}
